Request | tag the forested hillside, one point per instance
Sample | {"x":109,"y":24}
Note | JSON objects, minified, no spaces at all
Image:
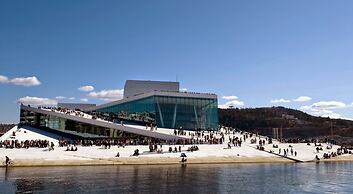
{"x":294,"y":123}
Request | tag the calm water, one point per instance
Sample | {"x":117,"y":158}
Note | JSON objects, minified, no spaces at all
{"x":233,"y":178}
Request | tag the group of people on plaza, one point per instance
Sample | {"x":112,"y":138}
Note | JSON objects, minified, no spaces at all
{"x":201,"y":137}
{"x":11,"y":144}
{"x":14,"y":143}
{"x":306,"y":140}
{"x":63,"y":110}
{"x":106,"y":143}
{"x":284,"y":152}
{"x":287,"y":151}
{"x":158,"y":148}
{"x":71,"y":148}
{"x":195,"y":138}
{"x":235,"y":141}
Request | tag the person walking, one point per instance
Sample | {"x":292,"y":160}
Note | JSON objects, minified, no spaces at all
{"x":7,"y":161}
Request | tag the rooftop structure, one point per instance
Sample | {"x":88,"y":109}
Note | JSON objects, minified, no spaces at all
{"x":136,"y":87}
{"x":161,"y":104}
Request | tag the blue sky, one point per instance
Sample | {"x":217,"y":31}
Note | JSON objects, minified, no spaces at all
{"x":250,"y":52}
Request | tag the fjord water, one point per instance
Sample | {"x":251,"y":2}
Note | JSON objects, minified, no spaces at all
{"x":220,"y":178}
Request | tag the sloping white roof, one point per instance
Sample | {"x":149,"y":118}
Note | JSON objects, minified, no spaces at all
{"x":106,"y":124}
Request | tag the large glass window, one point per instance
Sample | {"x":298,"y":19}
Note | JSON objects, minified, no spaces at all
{"x":170,"y":112}
{"x":74,"y":129}
{"x":141,"y":110}
{"x":187,"y":113}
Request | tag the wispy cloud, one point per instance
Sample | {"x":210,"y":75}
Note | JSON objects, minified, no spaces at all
{"x":63,"y":97}
{"x":30,"y":100}
{"x":277,"y":101}
{"x":327,"y":105}
{"x":230,"y":97}
{"x":84,"y":99}
{"x":302,"y":99}
{"x":60,"y":97}
{"x":326,"y":109}
{"x":86,"y":88}
{"x":231,"y":101}
{"x":4,"y":79}
{"x":107,"y":95}
{"x":20,"y":81}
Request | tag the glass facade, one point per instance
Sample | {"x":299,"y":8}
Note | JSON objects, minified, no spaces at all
{"x":170,"y":112}
{"x":186,"y":113}
{"x":142,"y":110}
{"x":71,"y":128}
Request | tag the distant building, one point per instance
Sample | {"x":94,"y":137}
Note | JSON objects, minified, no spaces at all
{"x":161,"y":103}
{"x":137,"y":87}
{"x":145,"y":103}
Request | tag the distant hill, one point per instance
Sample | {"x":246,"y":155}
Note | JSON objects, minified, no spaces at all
{"x":5,"y":127}
{"x":294,"y":123}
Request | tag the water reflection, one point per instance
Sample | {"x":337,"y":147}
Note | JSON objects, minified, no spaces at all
{"x":238,"y":178}
{"x":6,"y":173}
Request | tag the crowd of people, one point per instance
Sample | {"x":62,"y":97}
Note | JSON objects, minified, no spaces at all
{"x":201,"y":137}
{"x":106,"y":142}
{"x":306,"y":140}
{"x":195,"y":138}
{"x":158,"y":148}
{"x":63,"y":110}
{"x":340,"y":151}
{"x":235,"y":141}
{"x":11,"y":144}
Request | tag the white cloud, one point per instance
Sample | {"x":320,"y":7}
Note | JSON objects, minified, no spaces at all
{"x":4,"y":79}
{"x":108,"y":95}
{"x":86,"y":88}
{"x":324,"y":109}
{"x":324,"y":113}
{"x":84,"y":99}
{"x":20,"y":81}
{"x":29,"y":100}
{"x":235,"y":103}
{"x":60,"y":97}
{"x":25,"y":81}
{"x":230,"y":97}
{"x":231,"y":101}
{"x":328,"y":105}
{"x":302,"y":99}
{"x":63,"y":97}
{"x":183,"y":90}
{"x":324,"y":106}
{"x":276,"y":101}
{"x":223,"y":106}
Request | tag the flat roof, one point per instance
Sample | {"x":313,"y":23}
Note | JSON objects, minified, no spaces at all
{"x":134,"y":87}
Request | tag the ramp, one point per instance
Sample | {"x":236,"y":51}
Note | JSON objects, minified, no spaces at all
{"x":106,"y":124}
